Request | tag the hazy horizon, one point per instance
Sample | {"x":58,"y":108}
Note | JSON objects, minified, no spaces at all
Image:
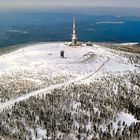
{"x":37,"y":4}
{"x":90,"y":7}
{"x":115,"y":11}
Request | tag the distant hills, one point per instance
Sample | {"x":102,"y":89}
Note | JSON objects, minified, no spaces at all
{"x":40,"y":26}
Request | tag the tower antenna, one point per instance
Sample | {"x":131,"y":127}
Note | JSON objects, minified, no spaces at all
{"x":74,"y":36}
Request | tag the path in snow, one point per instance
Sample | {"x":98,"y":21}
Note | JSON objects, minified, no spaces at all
{"x":43,"y":91}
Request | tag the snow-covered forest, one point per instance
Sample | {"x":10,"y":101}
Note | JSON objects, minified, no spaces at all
{"x":91,"y":94}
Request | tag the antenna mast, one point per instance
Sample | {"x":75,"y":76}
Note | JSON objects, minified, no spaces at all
{"x":74,"y":36}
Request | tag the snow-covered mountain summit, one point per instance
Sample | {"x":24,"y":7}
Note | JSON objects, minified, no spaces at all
{"x":93,"y":92}
{"x":80,"y":60}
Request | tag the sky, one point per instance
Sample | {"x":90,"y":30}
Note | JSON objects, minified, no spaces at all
{"x":34,"y":4}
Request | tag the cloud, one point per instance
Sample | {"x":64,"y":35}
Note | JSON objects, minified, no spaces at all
{"x":67,"y":3}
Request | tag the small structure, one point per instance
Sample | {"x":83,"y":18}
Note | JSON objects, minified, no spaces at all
{"x":74,"y":36}
{"x":62,"y":54}
{"x":89,"y":43}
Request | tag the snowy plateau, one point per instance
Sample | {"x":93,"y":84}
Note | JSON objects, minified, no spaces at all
{"x":93,"y":93}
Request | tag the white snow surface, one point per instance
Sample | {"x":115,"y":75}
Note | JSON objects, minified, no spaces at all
{"x":128,"y":44}
{"x":46,"y":57}
{"x":124,"y":117}
{"x":128,"y":118}
{"x":81,"y":62}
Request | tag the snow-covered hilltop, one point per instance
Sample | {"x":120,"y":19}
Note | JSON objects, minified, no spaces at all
{"x":81,"y":96}
{"x":46,"y":58}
